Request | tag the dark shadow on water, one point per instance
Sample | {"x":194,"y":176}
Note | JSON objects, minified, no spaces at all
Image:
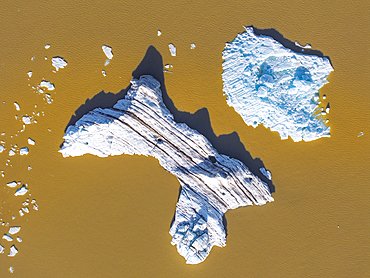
{"x":273,"y":33}
{"x":227,"y":144}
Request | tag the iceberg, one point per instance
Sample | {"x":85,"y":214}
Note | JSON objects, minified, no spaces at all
{"x":269,"y":84}
{"x":13,"y":251}
{"x":58,"y":62}
{"x":21,"y":191}
{"x":1,"y":249}
{"x":14,"y":230}
{"x":172,"y":49}
{"x":211,"y":183}
{"x":47,"y":84}
{"x":107,"y":51}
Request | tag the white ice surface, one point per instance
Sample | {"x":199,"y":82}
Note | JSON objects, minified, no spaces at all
{"x":21,"y":213}
{"x":106,"y":62}
{"x":1,"y":249}
{"x":211,"y":183}
{"x":14,"y":230}
{"x":19,"y":239}
{"x":12,"y":184}
{"x":107,"y":51}
{"x":192,"y":46}
{"x":47,"y":46}
{"x":47,"y":84}
{"x":13,"y":251}
{"x":7,"y":237}
{"x":11,"y":153}
{"x":103,"y":73}
{"x":17,"y":107}
{"x":23,"y":151}
{"x":21,"y":191}
{"x":58,"y":62}
{"x":31,"y":142}
{"x":11,"y":269}
{"x":269,"y":84}
{"x":172,"y":49}
{"x":29,"y":74}
{"x":159,"y":33}
{"x":1,"y":148}
{"x":361,"y":133}
{"x":26,"y":120}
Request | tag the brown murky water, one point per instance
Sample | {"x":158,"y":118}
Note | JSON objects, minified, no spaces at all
{"x":110,"y":217}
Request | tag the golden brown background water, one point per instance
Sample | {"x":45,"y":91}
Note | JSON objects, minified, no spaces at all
{"x":110,"y":217}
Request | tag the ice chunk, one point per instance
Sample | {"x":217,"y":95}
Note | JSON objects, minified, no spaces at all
{"x":29,"y":74}
{"x":1,"y":148}
{"x":58,"y":62}
{"x":47,"y":46}
{"x":21,"y":191}
{"x":107,"y":51}
{"x":11,"y":269}
{"x":13,"y":251}
{"x":361,"y":133}
{"x":17,"y":107}
{"x":172,"y":49}
{"x":19,"y":239}
{"x":23,"y":151}
{"x":103,"y":72}
{"x":29,"y":168}
{"x":266,"y":173}
{"x":14,"y":230}
{"x":1,"y":249}
{"x":35,"y":207}
{"x":33,"y":58}
{"x":30,"y":141}
{"x":106,"y":62}
{"x":192,"y":46}
{"x":26,"y":120}
{"x":159,"y":33}
{"x":212,"y":183}
{"x":11,"y":153}
{"x":269,"y":84}
{"x":26,"y":209}
{"x":21,"y":213}
{"x":7,"y":237}
{"x":12,"y":184}
{"x":47,"y":84}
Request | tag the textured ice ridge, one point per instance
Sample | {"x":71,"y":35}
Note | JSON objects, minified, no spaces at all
{"x":211,"y":183}
{"x":269,"y":84}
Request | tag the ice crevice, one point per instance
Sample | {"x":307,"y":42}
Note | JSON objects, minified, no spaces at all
{"x":212,"y":183}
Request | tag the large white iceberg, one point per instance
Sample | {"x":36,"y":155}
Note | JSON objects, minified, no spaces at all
{"x":269,"y":84}
{"x":211,"y":182}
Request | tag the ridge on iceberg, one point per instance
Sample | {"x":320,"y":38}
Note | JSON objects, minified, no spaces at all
{"x":212,"y":183}
{"x":269,"y":84}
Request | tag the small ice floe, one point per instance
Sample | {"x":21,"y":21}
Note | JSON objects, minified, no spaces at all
{"x":1,"y":148}
{"x":19,"y":239}
{"x":103,"y":72}
{"x":361,"y":133}
{"x":172,"y":49}
{"x":23,"y":151}
{"x":301,"y":46}
{"x":30,"y":141}
{"x":47,"y":46}
{"x":26,"y":210}
{"x":107,"y":51}
{"x":13,"y":251}
{"x":7,"y":237}
{"x":12,"y":184}
{"x":1,"y":249}
{"x":106,"y":62}
{"x":21,"y":191}
{"x":58,"y":62}
{"x":266,"y":173}
{"x":47,"y":84}
{"x":21,"y":213}
{"x":192,"y":46}
{"x":11,"y":269}
{"x":17,"y":107}
{"x":26,"y":120}
{"x":29,"y":74}
{"x":11,"y":153}
{"x":14,"y":230}
{"x":159,"y":33}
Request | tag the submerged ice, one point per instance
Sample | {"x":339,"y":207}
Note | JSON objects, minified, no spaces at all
{"x":212,"y":183}
{"x":269,"y":84}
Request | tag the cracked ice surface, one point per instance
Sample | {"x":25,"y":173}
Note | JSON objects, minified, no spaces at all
{"x":269,"y":84}
{"x":211,"y":183}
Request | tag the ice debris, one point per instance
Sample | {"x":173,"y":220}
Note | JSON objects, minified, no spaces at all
{"x":212,"y":183}
{"x":266,"y":173}
{"x":47,"y":46}
{"x":47,"y":84}
{"x":7,"y":237}
{"x":29,"y":74}
{"x":301,"y":46}
{"x":172,"y":49}
{"x":21,"y":213}
{"x":107,"y":51}
{"x":30,"y":141}
{"x":192,"y":46}
{"x":269,"y":84}
{"x":17,"y":107}
{"x":11,"y":153}
{"x":23,"y":151}
{"x":21,"y":191}
{"x":14,"y":230}
{"x":13,"y":251}
{"x":58,"y":62}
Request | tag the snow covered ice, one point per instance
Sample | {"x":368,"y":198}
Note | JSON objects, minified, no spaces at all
{"x":212,"y":183}
{"x":107,"y":51}
{"x":269,"y":84}
{"x":58,"y":62}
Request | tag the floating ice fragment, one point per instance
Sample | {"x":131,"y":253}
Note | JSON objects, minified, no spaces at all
{"x":7,"y":237}
{"x":168,"y":66}
{"x":21,"y":191}
{"x":12,"y":184}
{"x":266,"y":173}
{"x":35,"y":207}
{"x":103,"y":72}
{"x":172,"y":49}
{"x":19,"y":239}
{"x":1,"y":148}
{"x":159,"y":33}
{"x":11,"y":153}
{"x":30,"y":141}
{"x":107,"y":51}
{"x":1,"y":249}
{"x":47,"y":84}
{"x":33,"y":58}
{"x":11,"y":269}
{"x":192,"y":46}
{"x":23,"y":151}
{"x":21,"y":212}
{"x":17,"y":107}
{"x":29,"y":168}
{"x":29,"y":74}
{"x":58,"y":62}
{"x":13,"y":251}
{"x":47,"y":46}
{"x":361,"y":133}
{"x":324,"y":96}
{"x":14,"y":230}
{"x":269,"y":84}
{"x":106,"y":62}
{"x":26,"y":209}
